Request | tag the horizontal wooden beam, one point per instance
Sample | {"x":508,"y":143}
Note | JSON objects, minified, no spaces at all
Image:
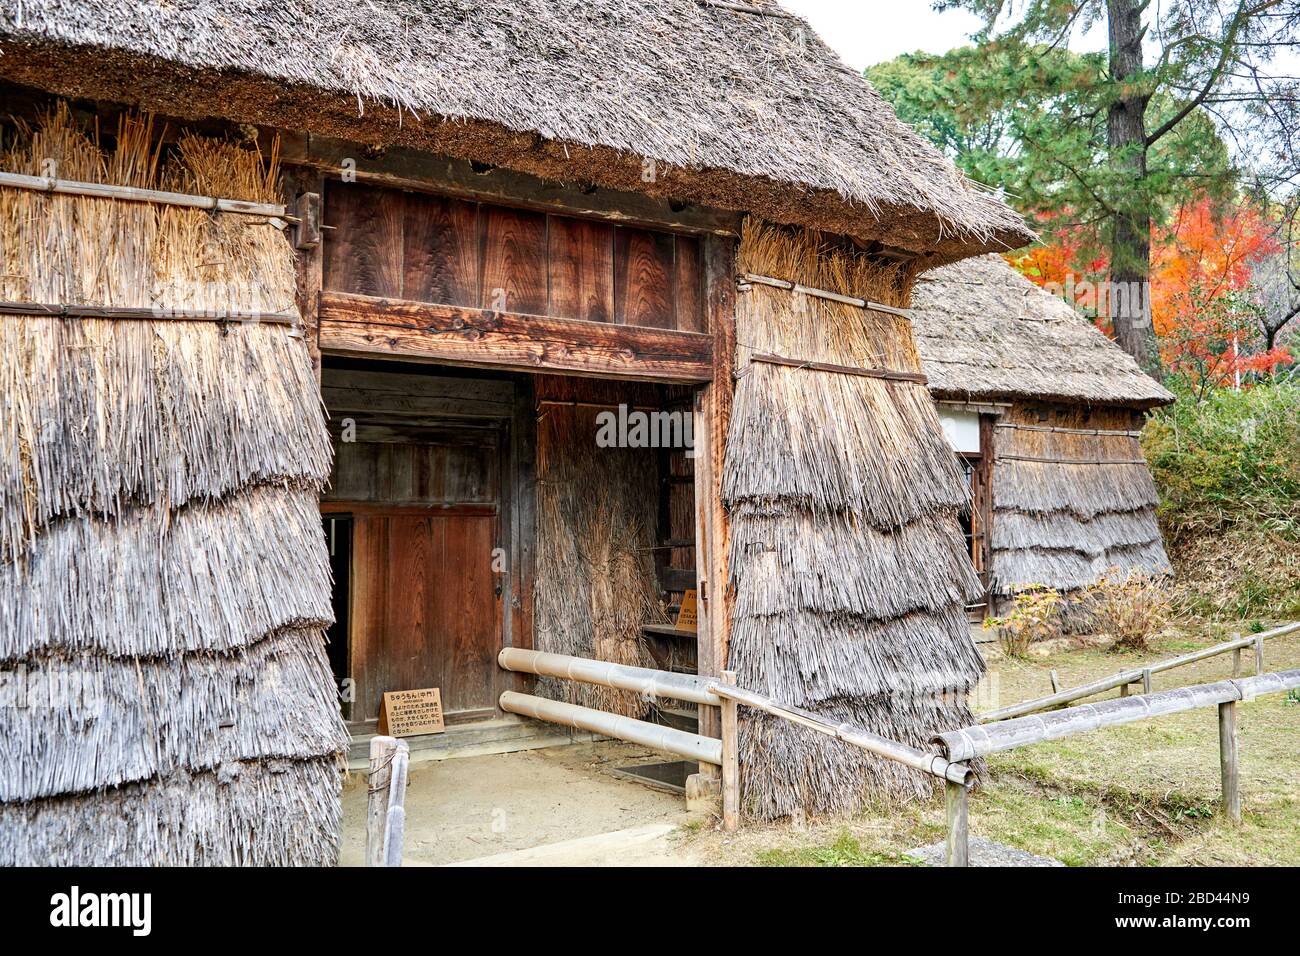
{"x":416,"y":331}
{"x":404,"y":168}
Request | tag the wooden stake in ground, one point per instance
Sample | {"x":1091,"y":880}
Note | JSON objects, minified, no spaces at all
{"x":958,"y":805}
{"x":1228,"y":760}
{"x":730,"y":759}
{"x":382,"y":750}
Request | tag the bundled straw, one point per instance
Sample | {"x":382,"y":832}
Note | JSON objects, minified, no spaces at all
{"x":848,"y":563}
{"x":163,"y":578}
{"x":597,"y":509}
{"x":1064,"y":525}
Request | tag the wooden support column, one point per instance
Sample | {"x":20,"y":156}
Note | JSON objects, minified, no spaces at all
{"x":304,"y":191}
{"x":712,"y":420}
{"x":730,"y":758}
{"x":958,"y":805}
{"x":1228,"y":760}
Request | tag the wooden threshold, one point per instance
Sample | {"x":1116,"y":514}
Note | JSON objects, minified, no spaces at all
{"x":366,"y":326}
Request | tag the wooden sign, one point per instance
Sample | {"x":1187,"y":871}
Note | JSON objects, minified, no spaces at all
{"x":686,"y":616}
{"x":405,"y":713}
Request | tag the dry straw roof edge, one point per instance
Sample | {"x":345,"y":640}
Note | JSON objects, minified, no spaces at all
{"x":740,"y":111}
{"x":986,"y":332}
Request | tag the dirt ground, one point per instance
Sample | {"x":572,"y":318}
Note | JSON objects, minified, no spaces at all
{"x":476,"y":807}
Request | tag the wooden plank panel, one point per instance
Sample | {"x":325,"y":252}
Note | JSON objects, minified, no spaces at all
{"x":580,"y":258}
{"x":441,"y":250}
{"x":363,"y":252}
{"x":688,"y":284}
{"x":365,"y":326}
{"x":467,"y":613}
{"x":514,"y":261}
{"x":643,"y":278}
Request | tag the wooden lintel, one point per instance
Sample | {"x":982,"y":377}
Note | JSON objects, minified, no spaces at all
{"x":416,"y":331}
{"x":404,"y":168}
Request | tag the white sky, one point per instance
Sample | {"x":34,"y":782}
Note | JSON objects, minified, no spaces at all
{"x":865,"y":32}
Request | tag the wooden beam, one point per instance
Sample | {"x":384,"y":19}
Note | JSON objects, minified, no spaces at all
{"x":416,"y":331}
{"x":406,"y":168}
{"x":713,"y":418}
{"x":299,"y":185}
{"x":1228,"y":760}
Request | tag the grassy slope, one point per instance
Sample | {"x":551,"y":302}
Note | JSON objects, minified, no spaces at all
{"x":1142,"y":794}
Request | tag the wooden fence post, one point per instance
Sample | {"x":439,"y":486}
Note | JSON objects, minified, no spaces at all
{"x":1228,"y":760}
{"x":730,"y":758}
{"x":395,"y":816}
{"x":1259,"y":654}
{"x":958,"y":805}
{"x":377,"y":780}
{"x":1146,"y":681}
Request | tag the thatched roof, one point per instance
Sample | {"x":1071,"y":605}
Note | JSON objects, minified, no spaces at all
{"x":987,"y":332}
{"x":741,"y":110}
{"x":848,"y":563}
{"x":164,"y":584}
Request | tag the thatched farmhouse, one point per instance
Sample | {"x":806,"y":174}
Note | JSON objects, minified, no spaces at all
{"x":472,"y":232}
{"x":1045,"y":413}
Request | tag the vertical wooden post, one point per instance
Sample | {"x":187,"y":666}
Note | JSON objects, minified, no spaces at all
{"x":1236,"y":662}
{"x":958,"y":806}
{"x":713,"y":419}
{"x":1146,"y":681}
{"x":378,"y":779}
{"x":302,"y":182}
{"x":1228,"y":760}
{"x":1259,"y":654}
{"x":395,"y":814}
{"x":730,"y":758}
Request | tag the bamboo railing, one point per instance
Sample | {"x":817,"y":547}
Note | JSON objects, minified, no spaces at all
{"x":700,"y":690}
{"x":1143,"y":675}
{"x":981,"y":740}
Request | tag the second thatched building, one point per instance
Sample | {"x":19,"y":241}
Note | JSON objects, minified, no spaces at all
{"x":1045,"y":414}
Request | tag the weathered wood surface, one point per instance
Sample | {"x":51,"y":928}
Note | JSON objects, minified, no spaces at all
{"x":730,"y":759}
{"x":1228,"y":760}
{"x":369,"y":326}
{"x":378,"y":780}
{"x":957,"y":805}
{"x":648,"y":682}
{"x":406,"y":168}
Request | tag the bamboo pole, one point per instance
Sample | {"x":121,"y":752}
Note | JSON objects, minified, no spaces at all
{"x":730,"y":759}
{"x":981,"y":740}
{"x":888,"y":375}
{"x":1124,"y":678}
{"x":957,"y":800}
{"x":1228,"y":764}
{"x":378,"y":778}
{"x":746,"y":278}
{"x":645,"y":681}
{"x":881,"y":746}
{"x":144,"y":313}
{"x":657,"y":737}
{"x":69,"y":187}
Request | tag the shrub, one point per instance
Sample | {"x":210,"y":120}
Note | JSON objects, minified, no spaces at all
{"x":1132,"y":607}
{"x":1035,"y":615}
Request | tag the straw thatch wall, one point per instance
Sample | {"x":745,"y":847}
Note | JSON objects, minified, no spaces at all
{"x":596,"y":515}
{"x":163,"y":578}
{"x":848,"y":564}
{"x":733,"y":109}
{"x":1064,"y":525}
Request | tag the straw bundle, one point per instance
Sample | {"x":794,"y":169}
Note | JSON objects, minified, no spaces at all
{"x":1064,"y":525}
{"x":597,"y":509}
{"x":848,"y":565}
{"x":163,"y":581}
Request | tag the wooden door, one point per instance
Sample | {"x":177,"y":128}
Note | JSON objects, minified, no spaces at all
{"x":427,"y":609}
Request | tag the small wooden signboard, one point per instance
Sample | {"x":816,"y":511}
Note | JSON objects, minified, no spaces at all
{"x":406,"y":713}
{"x":686,"y":616}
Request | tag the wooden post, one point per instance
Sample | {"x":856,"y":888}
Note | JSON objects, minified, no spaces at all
{"x":1146,"y":681}
{"x":300,"y":183}
{"x":395,"y":814}
{"x":958,"y":805}
{"x":1259,"y":654}
{"x":730,"y":758}
{"x":1236,"y":662}
{"x":712,"y":527}
{"x":1056,"y":682}
{"x":380,"y":775}
{"x":1228,"y":760}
